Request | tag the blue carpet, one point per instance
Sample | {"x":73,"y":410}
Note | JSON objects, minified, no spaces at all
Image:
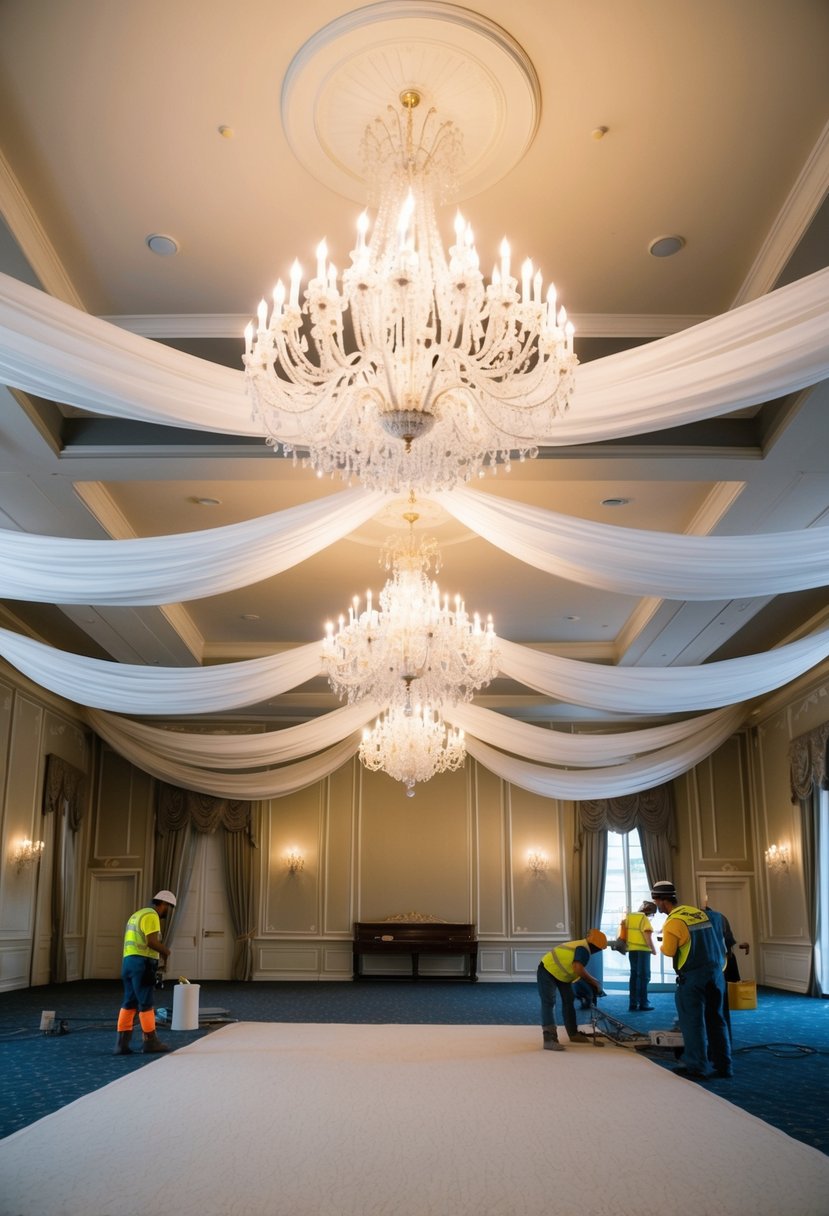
{"x":781,"y":1049}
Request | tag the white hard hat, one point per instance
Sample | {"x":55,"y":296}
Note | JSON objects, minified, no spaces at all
{"x":166,"y":897}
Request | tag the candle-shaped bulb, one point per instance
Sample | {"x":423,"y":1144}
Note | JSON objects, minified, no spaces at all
{"x":526,"y":278}
{"x":362,"y":229}
{"x":504,"y":258}
{"x":296,"y":279}
{"x":262,"y":315}
{"x":248,"y":337}
{"x":322,"y":257}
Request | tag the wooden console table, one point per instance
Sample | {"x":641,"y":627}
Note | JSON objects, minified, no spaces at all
{"x":415,"y":938}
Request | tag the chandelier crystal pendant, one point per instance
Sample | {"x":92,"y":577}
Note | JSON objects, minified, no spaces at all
{"x":415,"y":646}
{"x":409,"y":370}
{"x":412,"y":746}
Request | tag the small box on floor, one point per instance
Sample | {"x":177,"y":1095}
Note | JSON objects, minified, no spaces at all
{"x":742,"y":994}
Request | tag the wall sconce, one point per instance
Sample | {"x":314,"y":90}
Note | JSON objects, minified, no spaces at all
{"x":777,"y":858}
{"x":537,"y":862}
{"x":27,"y":853}
{"x":294,"y":861}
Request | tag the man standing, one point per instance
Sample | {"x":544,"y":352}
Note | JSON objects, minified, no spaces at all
{"x":558,"y":970}
{"x":637,"y":932}
{"x":142,"y":948}
{"x":691,"y":940}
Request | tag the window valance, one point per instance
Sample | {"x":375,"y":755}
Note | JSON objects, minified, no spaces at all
{"x":808,"y":762}
{"x":177,"y":808}
{"x":64,"y":788}
{"x":653,"y":810}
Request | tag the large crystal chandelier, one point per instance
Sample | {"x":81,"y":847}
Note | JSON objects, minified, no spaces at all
{"x":412,"y":746}
{"x":409,"y":370}
{"x":414,"y":646}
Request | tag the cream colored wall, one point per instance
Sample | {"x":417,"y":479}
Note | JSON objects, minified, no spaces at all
{"x":457,"y":850}
{"x":32,"y":727}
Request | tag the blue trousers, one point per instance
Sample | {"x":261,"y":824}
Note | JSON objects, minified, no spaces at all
{"x":700,"y":1001}
{"x":640,"y":975}
{"x":138,"y":976}
{"x":548,"y":986}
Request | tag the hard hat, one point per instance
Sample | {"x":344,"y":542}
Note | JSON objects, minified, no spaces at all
{"x":165,"y":897}
{"x":595,"y":937}
{"x":663,"y":890}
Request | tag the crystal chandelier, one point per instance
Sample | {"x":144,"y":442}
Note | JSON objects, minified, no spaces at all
{"x":412,"y":745}
{"x":408,"y":370}
{"x":416,"y":646}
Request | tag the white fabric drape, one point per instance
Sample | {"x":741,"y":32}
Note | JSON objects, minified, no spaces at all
{"x":170,"y":569}
{"x":662,"y":689}
{"x":635,"y":562}
{"x":127,"y":688}
{"x":273,"y":783}
{"x":576,"y":751}
{"x":628,"y":778}
{"x":190,"y":565}
{"x":201,"y":762}
{"x":762,"y":350}
{"x":235,"y":751}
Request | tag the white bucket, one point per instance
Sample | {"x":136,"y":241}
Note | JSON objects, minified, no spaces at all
{"x":185,"y":1007}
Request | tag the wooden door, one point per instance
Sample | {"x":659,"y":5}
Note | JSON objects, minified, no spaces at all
{"x":203,"y":945}
{"x":731,"y":895}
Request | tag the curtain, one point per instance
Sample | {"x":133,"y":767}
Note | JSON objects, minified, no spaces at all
{"x":652,"y":812}
{"x":180,"y":816}
{"x":64,"y":788}
{"x":809,"y":773}
{"x":808,"y":762}
{"x":239,"y":880}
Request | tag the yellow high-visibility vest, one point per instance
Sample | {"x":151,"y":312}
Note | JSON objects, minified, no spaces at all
{"x":559,"y":960}
{"x":139,"y":927}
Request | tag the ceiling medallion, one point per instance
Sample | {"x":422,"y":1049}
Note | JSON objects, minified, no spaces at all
{"x":409,"y":370}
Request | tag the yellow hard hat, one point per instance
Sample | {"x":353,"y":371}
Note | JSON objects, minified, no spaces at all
{"x":595,"y":937}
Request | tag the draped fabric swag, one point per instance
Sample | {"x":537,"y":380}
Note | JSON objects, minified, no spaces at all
{"x":182,"y":814}
{"x":760,"y":351}
{"x":757,"y":352}
{"x":192,"y":565}
{"x":64,"y":796}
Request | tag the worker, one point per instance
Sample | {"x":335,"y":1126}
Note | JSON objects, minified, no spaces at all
{"x":690,"y":938}
{"x":558,"y":970}
{"x":144,"y":955}
{"x":636,"y":932}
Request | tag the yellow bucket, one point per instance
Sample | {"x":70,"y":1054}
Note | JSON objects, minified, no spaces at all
{"x":742,"y":995}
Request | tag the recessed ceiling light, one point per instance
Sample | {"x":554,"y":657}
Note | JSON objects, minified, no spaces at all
{"x":206,"y":502}
{"x":666,"y":246}
{"x":615,"y":502}
{"x":164,"y":246}
{"x":249,"y":616}
{"x":572,"y":618}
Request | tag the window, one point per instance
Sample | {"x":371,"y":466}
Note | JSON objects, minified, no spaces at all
{"x":626,"y":886}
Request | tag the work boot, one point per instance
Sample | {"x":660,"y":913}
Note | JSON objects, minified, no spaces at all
{"x":580,"y":1037}
{"x":152,"y":1043}
{"x":551,"y":1042}
{"x":122,"y":1047}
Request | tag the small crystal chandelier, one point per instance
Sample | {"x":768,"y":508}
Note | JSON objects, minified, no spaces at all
{"x":412,"y":745}
{"x":409,"y":370}
{"x":415,"y":646}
